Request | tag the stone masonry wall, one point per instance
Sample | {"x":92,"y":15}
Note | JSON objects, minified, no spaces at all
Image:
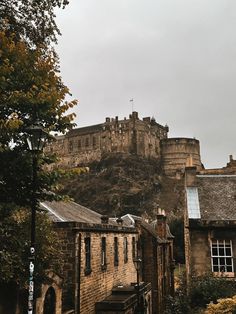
{"x":97,"y":285}
{"x":81,"y":290}
{"x":132,"y":135}
{"x":177,"y":153}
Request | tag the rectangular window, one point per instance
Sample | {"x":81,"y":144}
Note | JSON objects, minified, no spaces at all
{"x":116,"y":252}
{"x":133,"y":247}
{"x":79,"y":144}
{"x":222,"y":256}
{"x":103,"y":254}
{"x":125,"y":243}
{"x":87,"y":242}
{"x":94,"y":141}
{"x":70,"y":146}
{"x":86,"y":141}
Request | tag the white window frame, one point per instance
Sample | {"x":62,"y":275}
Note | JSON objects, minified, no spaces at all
{"x":222,"y":267}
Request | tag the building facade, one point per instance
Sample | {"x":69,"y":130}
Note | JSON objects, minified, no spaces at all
{"x":210,"y":224}
{"x":143,"y":137}
{"x":155,"y":246}
{"x":97,"y":258}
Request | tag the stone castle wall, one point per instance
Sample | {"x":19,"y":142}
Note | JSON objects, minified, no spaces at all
{"x":177,"y":153}
{"x":143,"y":137}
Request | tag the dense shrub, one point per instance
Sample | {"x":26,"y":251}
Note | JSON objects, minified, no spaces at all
{"x":207,"y":288}
{"x":202,"y":291}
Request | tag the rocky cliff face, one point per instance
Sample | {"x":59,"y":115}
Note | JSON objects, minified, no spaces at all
{"x":122,"y":183}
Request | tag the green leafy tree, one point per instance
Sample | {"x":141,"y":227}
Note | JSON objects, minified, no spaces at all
{"x":31,"y":21}
{"x":15,"y":242}
{"x":31,"y":89}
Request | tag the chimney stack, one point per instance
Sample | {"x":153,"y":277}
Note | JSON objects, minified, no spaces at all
{"x":190,"y":176}
{"x":161,"y":223}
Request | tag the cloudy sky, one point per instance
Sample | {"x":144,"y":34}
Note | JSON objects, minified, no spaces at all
{"x":175,"y":58}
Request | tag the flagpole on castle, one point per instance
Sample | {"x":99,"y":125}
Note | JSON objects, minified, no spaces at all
{"x":132,"y":102}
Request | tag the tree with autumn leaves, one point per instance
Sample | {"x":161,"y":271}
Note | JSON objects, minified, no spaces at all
{"x":31,"y":89}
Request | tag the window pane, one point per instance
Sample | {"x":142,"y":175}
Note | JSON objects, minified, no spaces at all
{"x":221,"y":252}
{"x":87,"y":254}
{"x":228,"y":261}
{"x":229,"y":269}
{"x":116,"y":253}
{"x":215,"y":269}
{"x":214,"y":252}
{"x":103,"y":252}
{"x":228,"y":251}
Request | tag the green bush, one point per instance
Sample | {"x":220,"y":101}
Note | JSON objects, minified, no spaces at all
{"x":202,"y":291}
{"x":207,"y":288}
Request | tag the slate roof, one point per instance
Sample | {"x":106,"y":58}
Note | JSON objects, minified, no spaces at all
{"x":217,"y":196}
{"x":70,"y":211}
{"x":150,"y":227}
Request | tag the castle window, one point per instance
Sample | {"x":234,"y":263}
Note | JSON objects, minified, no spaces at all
{"x":125,"y":243}
{"x":87,"y":242}
{"x":79,"y":144}
{"x":87,"y":142}
{"x":94,"y":141}
{"x":70,"y":146}
{"x":103,"y":254}
{"x":222,"y":256}
{"x":116,"y":252}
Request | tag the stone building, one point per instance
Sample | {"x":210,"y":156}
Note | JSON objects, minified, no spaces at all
{"x":98,"y":268}
{"x":210,"y":223}
{"x":144,"y":137}
{"x":97,"y":257}
{"x":156,"y":250}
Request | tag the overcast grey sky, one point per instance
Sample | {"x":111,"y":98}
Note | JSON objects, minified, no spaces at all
{"x":175,"y":58}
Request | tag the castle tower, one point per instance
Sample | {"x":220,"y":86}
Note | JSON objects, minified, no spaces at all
{"x":177,"y":153}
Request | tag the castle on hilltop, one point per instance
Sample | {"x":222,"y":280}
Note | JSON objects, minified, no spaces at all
{"x":143,"y":137}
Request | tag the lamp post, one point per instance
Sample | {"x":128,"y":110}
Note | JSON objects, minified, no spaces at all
{"x":137,"y":263}
{"x":36,"y":139}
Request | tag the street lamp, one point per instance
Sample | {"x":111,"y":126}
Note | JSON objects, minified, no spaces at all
{"x":36,"y":139}
{"x":137,"y":264}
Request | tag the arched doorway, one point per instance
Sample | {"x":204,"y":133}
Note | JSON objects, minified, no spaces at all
{"x":50,"y":302}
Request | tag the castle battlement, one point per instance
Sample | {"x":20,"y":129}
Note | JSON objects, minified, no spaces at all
{"x":143,"y":137}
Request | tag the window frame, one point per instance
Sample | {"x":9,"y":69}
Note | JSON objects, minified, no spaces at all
{"x":126,"y":249}
{"x":219,"y":254}
{"x":87,"y":251}
{"x":116,"y":251}
{"x":134,"y":248}
{"x":103,"y":253}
